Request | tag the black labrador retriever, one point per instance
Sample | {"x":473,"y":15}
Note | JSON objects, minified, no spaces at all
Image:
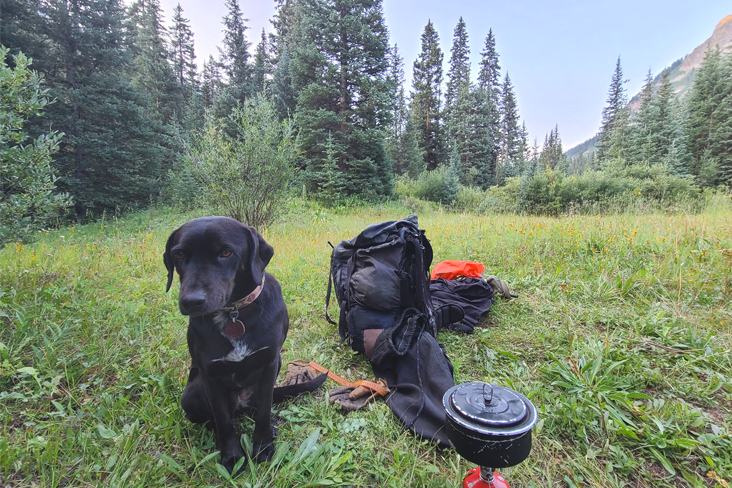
{"x":238,"y":323}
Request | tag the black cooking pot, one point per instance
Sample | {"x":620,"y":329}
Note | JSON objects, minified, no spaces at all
{"x":489,"y":425}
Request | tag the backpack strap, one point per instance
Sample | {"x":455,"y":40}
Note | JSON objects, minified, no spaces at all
{"x":327,"y":297}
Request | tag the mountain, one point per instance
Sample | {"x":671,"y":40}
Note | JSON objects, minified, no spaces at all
{"x":682,"y":73}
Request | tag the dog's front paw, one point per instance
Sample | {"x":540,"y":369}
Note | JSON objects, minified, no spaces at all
{"x":264,"y":449}
{"x":230,"y":459}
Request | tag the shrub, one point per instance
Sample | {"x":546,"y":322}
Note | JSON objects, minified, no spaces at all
{"x":246,"y":164}
{"x":439,"y":185}
{"x":27,"y":180}
{"x":469,"y":198}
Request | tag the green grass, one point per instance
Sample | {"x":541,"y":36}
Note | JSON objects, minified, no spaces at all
{"x":621,"y":336}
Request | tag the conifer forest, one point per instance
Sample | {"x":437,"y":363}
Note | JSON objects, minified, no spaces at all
{"x":125,"y":109}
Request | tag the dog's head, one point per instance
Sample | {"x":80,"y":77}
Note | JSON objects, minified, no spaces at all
{"x":217,"y":258}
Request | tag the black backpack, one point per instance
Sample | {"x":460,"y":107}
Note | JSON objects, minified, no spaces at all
{"x":381,"y":281}
{"x":378,"y":275}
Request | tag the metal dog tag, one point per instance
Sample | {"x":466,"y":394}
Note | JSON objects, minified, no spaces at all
{"x":234,"y":329}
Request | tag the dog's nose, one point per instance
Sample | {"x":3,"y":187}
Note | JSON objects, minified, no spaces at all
{"x":193,"y":302}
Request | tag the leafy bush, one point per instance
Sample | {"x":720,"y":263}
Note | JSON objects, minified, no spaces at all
{"x":469,"y":198}
{"x":27,"y":180}
{"x":439,"y":185}
{"x":245,"y":166}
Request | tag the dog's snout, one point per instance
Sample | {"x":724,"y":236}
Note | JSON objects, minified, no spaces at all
{"x":193,"y":302}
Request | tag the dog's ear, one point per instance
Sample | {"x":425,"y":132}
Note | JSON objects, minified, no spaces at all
{"x":168,"y":259}
{"x":259,"y":255}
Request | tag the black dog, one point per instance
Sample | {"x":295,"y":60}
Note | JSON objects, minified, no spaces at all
{"x":238,"y":323}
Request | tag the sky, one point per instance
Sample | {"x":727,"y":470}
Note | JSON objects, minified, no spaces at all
{"x":559,"y":55}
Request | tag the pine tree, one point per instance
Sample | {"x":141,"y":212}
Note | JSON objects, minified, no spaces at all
{"x":183,"y":54}
{"x":283,"y":94}
{"x":151,"y":70}
{"x":262,"y":66}
{"x":114,"y":153}
{"x":708,"y":121}
{"x":510,"y":133}
{"x":459,"y":72}
{"x":425,"y":106}
{"x":212,"y":85}
{"x":339,"y":70}
{"x":613,"y":132}
{"x":234,"y":61}
{"x":489,"y":79}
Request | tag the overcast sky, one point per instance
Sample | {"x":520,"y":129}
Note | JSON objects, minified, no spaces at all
{"x":560,"y":55}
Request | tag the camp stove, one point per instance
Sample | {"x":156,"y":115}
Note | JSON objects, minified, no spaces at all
{"x":488,"y":425}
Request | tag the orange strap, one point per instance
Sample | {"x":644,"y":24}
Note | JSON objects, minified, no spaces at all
{"x":376,"y":388}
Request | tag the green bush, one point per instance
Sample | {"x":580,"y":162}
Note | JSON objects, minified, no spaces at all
{"x":439,"y":185}
{"x":27,"y":181}
{"x":469,"y":198}
{"x":246,"y":165}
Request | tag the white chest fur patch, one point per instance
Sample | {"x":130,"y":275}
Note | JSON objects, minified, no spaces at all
{"x":240,"y":352}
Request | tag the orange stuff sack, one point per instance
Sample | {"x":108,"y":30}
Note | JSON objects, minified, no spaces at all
{"x":452,"y":270}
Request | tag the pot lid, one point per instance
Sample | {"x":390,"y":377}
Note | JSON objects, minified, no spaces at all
{"x":488,"y":405}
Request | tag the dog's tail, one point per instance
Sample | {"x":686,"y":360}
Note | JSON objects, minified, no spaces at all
{"x":282,"y":393}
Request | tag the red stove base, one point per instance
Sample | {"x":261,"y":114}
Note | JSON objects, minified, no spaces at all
{"x":474,"y":480}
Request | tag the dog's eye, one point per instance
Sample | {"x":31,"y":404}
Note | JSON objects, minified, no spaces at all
{"x":225,"y":253}
{"x":179,"y":255}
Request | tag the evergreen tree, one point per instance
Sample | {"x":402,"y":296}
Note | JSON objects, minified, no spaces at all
{"x":489,"y":79}
{"x":339,"y":69}
{"x":261,"y":65}
{"x":425,"y":106}
{"x":395,"y":140}
{"x":677,"y":157}
{"x":114,"y":153}
{"x":552,"y":153}
{"x":212,"y":85}
{"x":283,"y":94}
{"x":613,"y":132}
{"x":21,"y":30}
{"x":183,"y":54}
{"x":459,"y":72}
{"x":234,"y":61}
{"x":472,"y":139}
{"x":708,"y":121}
{"x":642,"y":149}
{"x":151,"y":70}
{"x":510,"y":133}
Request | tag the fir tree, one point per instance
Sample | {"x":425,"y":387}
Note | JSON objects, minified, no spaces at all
{"x":339,"y":69}
{"x":425,"y":106}
{"x":151,"y":70}
{"x":459,"y":72}
{"x":510,"y":133}
{"x":212,"y":83}
{"x":283,"y":93}
{"x":261,"y":65}
{"x":114,"y":153}
{"x":642,"y":149}
{"x":234,"y":61}
{"x":183,"y":54}
{"x":489,"y":79}
{"x":613,"y":132}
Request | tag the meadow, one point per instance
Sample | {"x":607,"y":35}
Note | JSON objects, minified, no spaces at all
{"x":621,"y":336}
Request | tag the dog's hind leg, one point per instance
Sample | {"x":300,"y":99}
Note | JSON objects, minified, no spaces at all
{"x":194,"y":401}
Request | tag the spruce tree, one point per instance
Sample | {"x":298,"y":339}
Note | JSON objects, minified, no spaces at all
{"x":489,"y":79}
{"x":151,"y":70}
{"x":234,"y":61}
{"x":613,"y":132}
{"x":261,"y":66}
{"x":708,"y":121}
{"x":426,"y":97}
{"x":459,"y":72}
{"x":114,"y":153}
{"x":339,"y":70}
{"x":642,"y":149}
{"x":212,"y":84}
{"x":395,"y":140}
{"x":183,"y":54}
{"x":510,"y":132}
{"x":283,"y":94}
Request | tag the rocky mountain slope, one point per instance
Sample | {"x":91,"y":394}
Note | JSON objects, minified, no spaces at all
{"x":682,"y":71}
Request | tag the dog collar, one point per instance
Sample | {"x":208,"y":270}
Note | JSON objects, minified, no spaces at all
{"x":234,"y":328}
{"x":249,"y":299}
